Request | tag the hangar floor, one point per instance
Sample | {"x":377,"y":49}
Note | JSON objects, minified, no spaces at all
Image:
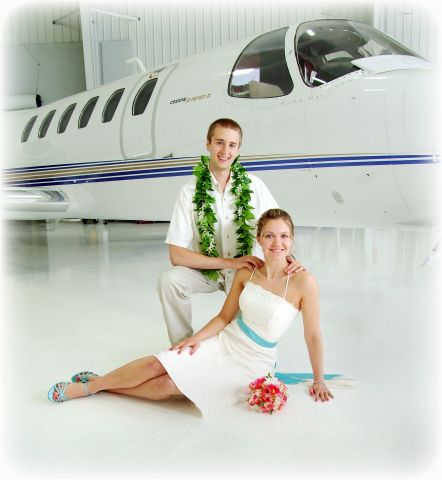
{"x":83,"y":297}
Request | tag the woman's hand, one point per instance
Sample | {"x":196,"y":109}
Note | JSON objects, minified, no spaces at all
{"x":191,"y":342}
{"x":320,"y":392}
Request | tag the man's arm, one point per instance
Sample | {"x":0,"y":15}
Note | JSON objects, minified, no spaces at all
{"x":188,"y":258}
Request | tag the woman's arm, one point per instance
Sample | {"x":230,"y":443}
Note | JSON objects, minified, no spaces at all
{"x":226,"y":315}
{"x":312,"y":335}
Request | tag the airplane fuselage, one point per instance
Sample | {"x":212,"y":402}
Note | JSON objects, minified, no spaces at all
{"x":357,"y":149}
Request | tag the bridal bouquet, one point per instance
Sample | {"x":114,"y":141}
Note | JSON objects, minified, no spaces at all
{"x":267,"y":394}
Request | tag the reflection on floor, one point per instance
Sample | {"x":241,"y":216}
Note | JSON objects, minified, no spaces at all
{"x":83,"y":297}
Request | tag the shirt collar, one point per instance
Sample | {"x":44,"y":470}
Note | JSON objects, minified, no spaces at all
{"x":215,"y":183}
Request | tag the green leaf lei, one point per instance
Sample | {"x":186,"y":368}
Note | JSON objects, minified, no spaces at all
{"x":206,"y":218}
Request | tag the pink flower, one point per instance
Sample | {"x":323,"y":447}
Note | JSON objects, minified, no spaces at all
{"x":257,"y":383}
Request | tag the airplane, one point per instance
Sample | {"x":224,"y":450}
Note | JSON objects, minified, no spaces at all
{"x":339,"y":121}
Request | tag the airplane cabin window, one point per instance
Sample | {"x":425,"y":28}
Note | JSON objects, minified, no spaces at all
{"x":325,"y":49}
{"x":45,"y":124}
{"x":261,"y":70}
{"x":143,"y":96}
{"x":111,"y":105}
{"x":27,"y":130}
{"x":64,"y":120}
{"x":87,"y":112}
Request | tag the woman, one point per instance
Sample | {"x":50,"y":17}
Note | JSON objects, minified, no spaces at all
{"x":214,"y":367}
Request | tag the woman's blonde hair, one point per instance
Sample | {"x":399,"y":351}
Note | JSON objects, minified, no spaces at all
{"x":273,"y":214}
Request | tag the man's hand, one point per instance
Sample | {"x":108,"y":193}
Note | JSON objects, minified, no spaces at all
{"x":294,"y":266}
{"x":247,"y":261}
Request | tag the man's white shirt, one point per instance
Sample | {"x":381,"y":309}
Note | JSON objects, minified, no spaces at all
{"x":183,"y":230}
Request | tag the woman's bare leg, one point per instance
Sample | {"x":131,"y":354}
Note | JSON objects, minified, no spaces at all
{"x":126,"y":377}
{"x":159,"y":388}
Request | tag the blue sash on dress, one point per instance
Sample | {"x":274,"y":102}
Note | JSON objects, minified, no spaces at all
{"x":254,"y":336}
{"x":289,"y":378}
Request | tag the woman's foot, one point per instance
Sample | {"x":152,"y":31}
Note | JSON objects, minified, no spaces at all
{"x":62,"y":391}
{"x":83,"y":377}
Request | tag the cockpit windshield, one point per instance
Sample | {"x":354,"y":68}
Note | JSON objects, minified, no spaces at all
{"x":261,"y":70}
{"x":325,"y":49}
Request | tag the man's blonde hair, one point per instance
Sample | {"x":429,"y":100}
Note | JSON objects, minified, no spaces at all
{"x":226,"y":123}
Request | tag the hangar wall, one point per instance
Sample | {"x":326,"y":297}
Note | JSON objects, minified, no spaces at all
{"x":415,"y":25}
{"x":38,"y":56}
{"x":31,"y":23}
{"x":52,"y":70}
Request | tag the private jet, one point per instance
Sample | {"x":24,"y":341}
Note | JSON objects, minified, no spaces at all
{"x":339,"y":121}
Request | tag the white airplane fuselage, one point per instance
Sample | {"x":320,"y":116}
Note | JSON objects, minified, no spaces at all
{"x":360,"y":150}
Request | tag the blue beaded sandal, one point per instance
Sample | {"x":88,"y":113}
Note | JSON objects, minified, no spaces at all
{"x":60,"y":389}
{"x":82,"y":377}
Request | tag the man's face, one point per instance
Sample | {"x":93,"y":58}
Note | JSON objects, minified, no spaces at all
{"x":223,"y":148}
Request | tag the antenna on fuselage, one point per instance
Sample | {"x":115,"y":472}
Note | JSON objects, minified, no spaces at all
{"x":138,"y":62}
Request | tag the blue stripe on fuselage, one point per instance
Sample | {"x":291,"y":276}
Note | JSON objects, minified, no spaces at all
{"x":71,"y":178}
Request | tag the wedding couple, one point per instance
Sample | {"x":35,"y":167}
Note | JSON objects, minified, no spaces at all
{"x":221,"y":219}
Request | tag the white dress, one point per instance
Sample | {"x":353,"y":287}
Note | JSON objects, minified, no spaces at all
{"x":217,"y":375}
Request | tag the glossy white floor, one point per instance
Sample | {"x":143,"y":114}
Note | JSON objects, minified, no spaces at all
{"x":83,"y":297}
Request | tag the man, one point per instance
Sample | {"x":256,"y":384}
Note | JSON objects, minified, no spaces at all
{"x":211,"y":234}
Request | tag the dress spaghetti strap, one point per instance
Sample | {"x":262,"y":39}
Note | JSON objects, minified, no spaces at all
{"x":252,"y":274}
{"x":286,"y":285}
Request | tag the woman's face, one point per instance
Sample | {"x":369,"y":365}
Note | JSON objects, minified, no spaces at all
{"x":275,"y":239}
